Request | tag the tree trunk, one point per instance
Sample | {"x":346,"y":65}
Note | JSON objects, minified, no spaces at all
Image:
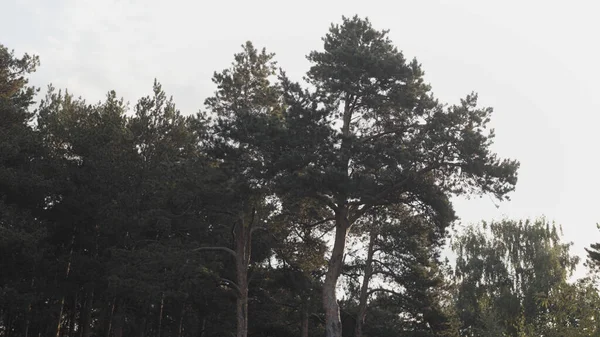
{"x":8,"y":324}
{"x":202,"y":326}
{"x":333,"y":324}
{"x":62,"y":300}
{"x":86,"y":313}
{"x":109,"y":317}
{"x":60,"y":314}
{"x":73,"y":315}
{"x":27,"y":321}
{"x":119,"y":320}
{"x":160,"y":314}
{"x":242,"y":234}
{"x":364,"y":289}
{"x":243,"y":239}
{"x":242,"y":312}
{"x":180,"y":328}
{"x":28,"y":314}
{"x":304,"y":320}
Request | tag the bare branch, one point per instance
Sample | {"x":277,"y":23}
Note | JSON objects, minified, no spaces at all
{"x":224,"y":249}
{"x":366,"y":139}
{"x":372,"y":291}
{"x":261,"y":228}
{"x":318,"y":222}
{"x":384,"y":133}
{"x":318,"y":317}
{"x":396,"y":185}
{"x":360,"y":212}
{"x":388,"y":272}
{"x":231,"y":284}
{"x":327,"y":200}
{"x":253,"y":217}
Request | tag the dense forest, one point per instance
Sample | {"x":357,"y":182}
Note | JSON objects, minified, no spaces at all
{"x":282,"y":208}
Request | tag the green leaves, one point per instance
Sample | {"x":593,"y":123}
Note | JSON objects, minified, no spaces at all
{"x":511,"y":277}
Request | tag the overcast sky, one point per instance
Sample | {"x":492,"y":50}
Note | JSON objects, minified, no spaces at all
{"x":535,"y":62}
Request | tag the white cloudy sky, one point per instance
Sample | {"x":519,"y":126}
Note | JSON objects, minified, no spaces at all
{"x":535,"y":62}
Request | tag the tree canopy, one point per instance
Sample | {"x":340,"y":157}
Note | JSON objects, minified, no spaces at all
{"x":512,"y":280}
{"x":282,"y":208}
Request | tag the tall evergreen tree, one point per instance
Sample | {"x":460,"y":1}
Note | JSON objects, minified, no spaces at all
{"x":243,"y":108}
{"x":24,"y":184}
{"x":371,"y":134}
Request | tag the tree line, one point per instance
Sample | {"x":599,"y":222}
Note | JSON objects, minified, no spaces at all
{"x":280,"y":209}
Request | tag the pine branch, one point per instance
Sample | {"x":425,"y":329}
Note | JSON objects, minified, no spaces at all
{"x":372,"y":291}
{"x":224,"y":249}
{"x":232,"y":284}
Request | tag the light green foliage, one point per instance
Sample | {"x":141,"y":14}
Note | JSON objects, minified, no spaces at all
{"x":512,"y":280}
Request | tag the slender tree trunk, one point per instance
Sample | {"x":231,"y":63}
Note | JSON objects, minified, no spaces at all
{"x":86,"y":313}
{"x":202,"y":326}
{"x":8,"y":324}
{"x":27,"y":321}
{"x":242,"y":252}
{"x":243,"y":240}
{"x":333,"y":324}
{"x":160,"y":314}
{"x":119,"y":320}
{"x":180,"y":327}
{"x":60,"y":314}
{"x":62,"y":300}
{"x":29,"y":313}
{"x":109,"y":317}
{"x":364,"y":289}
{"x":3,"y":317}
{"x":73,"y":315}
{"x":304,"y":320}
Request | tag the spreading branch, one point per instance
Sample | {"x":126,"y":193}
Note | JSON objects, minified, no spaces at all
{"x":260,"y":228}
{"x":359,"y":213}
{"x":396,"y":185}
{"x":372,"y":291}
{"x":320,"y":222}
{"x":223,"y":249}
{"x":231,"y":284}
